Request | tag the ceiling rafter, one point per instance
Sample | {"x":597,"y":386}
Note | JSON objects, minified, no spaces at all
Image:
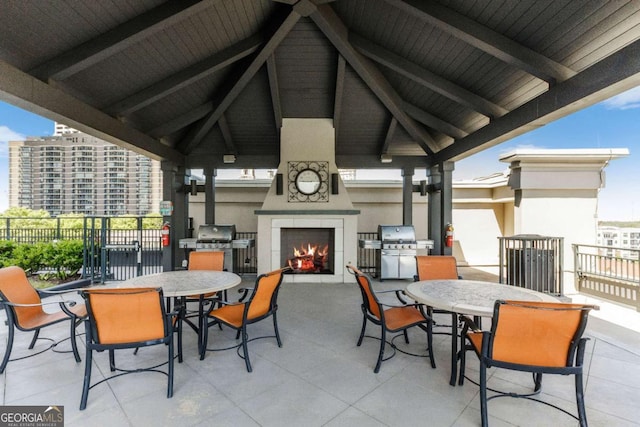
{"x":274,"y":89}
{"x":41,"y":98}
{"x":181,"y":121}
{"x":426,"y":78}
{"x":202,"y":128}
{"x":185,"y":77}
{"x":335,"y":30}
{"x":121,"y":37}
{"x":433,"y":122}
{"x":389,"y":136}
{"x":337,"y":103}
{"x":485,"y":39}
{"x":230,"y":147}
{"x":614,"y":74}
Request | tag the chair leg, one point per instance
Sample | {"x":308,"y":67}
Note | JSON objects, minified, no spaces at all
{"x":275,"y":327}
{"x":245,"y":349}
{"x":74,"y":344}
{"x":537,"y":380}
{"x":87,"y":378}
{"x":35,"y":338}
{"x":430,"y":343}
{"x":381,"y":352}
{"x":582,"y":413}
{"x":364,"y":327}
{"x":112,"y":360}
{"x":483,"y":395}
{"x":406,"y":336}
{"x":7,"y":352}
{"x":205,"y":337}
{"x":170,"y":369}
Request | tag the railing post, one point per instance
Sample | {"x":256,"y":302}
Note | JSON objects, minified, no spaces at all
{"x":577,"y":268}
{"x":8,"y":220}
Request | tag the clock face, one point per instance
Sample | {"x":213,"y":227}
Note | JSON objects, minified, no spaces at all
{"x":308,"y":181}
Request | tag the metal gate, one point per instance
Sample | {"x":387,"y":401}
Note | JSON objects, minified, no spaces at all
{"x":119,"y":254}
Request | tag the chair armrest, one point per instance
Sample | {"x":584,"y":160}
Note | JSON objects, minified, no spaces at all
{"x":71,"y":303}
{"x":244,"y":292}
{"x":468,"y":324}
{"x":399,"y":294}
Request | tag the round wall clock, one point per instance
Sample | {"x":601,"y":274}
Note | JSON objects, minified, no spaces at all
{"x":308,"y":181}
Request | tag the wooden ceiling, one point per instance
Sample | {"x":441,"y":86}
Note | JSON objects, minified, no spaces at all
{"x":421,"y":81}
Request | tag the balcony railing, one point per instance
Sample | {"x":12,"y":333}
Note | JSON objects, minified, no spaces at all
{"x":608,"y":272}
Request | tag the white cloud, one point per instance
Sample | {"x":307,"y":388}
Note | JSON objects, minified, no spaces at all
{"x":624,"y":101}
{"x":6,"y":135}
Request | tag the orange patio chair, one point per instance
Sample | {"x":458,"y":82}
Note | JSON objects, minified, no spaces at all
{"x":23,"y":306}
{"x":261,"y":304}
{"x":392,"y":319}
{"x":123,"y":319}
{"x":537,"y":337}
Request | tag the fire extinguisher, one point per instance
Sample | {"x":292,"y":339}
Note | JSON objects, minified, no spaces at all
{"x":448,"y":235}
{"x":165,"y":233}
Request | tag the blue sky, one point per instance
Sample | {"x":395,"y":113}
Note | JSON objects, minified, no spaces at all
{"x":614,"y":123}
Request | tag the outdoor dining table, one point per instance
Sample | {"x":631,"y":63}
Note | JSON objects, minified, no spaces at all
{"x":180,"y":284}
{"x":470,"y":297}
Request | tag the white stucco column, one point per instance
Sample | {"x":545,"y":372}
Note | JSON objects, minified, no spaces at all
{"x":556,"y":194}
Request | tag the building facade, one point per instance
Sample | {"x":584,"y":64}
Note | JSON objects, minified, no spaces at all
{"x":77,"y":173}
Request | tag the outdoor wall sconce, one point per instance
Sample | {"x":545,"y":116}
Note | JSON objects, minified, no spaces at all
{"x":279,"y":187}
{"x":334,"y":183}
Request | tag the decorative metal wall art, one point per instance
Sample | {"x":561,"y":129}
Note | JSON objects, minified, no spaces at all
{"x":308,"y":181}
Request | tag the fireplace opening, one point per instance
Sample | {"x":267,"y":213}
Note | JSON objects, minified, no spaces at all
{"x":307,"y":250}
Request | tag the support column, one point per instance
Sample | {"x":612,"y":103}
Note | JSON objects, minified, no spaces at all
{"x":174,"y":180}
{"x":440,"y":189}
{"x":210,"y":195}
{"x":407,"y":195}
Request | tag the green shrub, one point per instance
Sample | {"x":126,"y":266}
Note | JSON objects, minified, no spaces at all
{"x":64,"y":257}
{"x":29,"y":256}
{"x":6,"y":252}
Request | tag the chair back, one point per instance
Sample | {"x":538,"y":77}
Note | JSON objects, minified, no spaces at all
{"x":436,"y":267}
{"x":536,"y":333}
{"x":124,"y":316}
{"x":369,"y":300}
{"x":264,"y":297}
{"x":15,"y":288}
{"x":206,"y":260}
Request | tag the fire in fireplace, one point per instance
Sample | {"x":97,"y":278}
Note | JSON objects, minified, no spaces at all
{"x":307,"y":250}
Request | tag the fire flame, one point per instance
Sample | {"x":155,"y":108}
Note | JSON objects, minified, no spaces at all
{"x":310,"y":259}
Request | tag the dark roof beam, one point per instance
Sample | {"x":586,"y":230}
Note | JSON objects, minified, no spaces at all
{"x":186,"y":77}
{"x":182,"y":121}
{"x":195,"y":136}
{"x":230,"y":147}
{"x":426,"y":78}
{"x":611,"y":76}
{"x":389,"y":136}
{"x":274,"y":88}
{"x":116,"y":40}
{"x":31,"y":94}
{"x":434,"y":122}
{"x":485,"y":39}
{"x":335,"y":30}
{"x":337,"y":104}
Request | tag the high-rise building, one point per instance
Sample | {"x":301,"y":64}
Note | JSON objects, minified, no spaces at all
{"x":78,"y":173}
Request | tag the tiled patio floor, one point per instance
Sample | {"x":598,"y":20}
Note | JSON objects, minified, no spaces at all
{"x":320,"y":378}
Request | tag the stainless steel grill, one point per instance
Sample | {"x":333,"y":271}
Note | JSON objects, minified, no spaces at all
{"x":396,"y":251}
{"x":212,"y":237}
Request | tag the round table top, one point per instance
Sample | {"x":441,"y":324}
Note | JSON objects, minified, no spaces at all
{"x":471,"y":297}
{"x":182,"y":283}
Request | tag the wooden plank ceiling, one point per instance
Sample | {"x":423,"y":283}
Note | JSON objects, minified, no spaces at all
{"x":421,"y":81}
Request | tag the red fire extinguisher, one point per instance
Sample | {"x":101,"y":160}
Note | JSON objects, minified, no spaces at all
{"x":165,"y":233}
{"x":448,"y":235}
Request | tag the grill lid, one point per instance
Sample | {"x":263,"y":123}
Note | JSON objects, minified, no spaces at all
{"x":208,"y":233}
{"x":397,"y":233}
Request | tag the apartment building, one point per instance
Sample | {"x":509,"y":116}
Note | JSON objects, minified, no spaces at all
{"x":73,"y":172}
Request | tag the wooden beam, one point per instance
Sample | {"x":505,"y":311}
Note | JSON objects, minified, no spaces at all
{"x":337,"y":104}
{"x":426,"y":78}
{"x":612,"y":75}
{"x":182,"y":121}
{"x":186,"y":77}
{"x":274,"y":88}
{"x":434,"y":122}
{"x":31,"y":94}
{"x":226,"y":135}
{"x":485,"y":39}
{"x":389,"y":136}
{"x":335,"y":30}
{"x":204,"y":126}
{"x":118,"y":39}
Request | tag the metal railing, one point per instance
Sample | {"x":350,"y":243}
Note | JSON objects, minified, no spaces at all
{"x":608,"y":272}
{"x":367,"y":258}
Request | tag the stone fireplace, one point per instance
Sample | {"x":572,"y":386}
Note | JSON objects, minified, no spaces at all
{"x":308,"y":250}
{"x":308,"y":197}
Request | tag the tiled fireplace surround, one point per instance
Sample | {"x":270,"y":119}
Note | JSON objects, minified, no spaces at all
{"x":345,"y":239}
